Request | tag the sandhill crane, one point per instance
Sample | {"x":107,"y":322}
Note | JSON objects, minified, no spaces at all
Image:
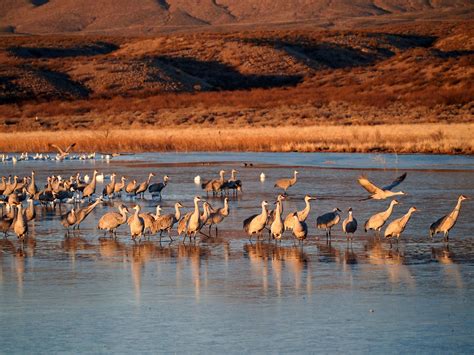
{"x":141,"y":189}
{"x":3,"y":185}
{"x":214,"y":185}
{"x":10,"y":188}
{"x":233,"y":183}
{"x":204,"y":217}
{"x":82,"y":213}
{"x":62,"y":154}
{"x":29,"y":212}
{"x":136,"y":224}
{"x":120,"y":185}
{"x":6,"y":222}
{"x":328,"y":220}
{"x":397,"y":226}
{"x":131,"y":188}
{"x":378,"y":193}
{"x":218,"y":216}
{"x":109,"y":189}
{"x":300,"y":229}
{"x":446,"y":223}
{"x":193,"y":224}
{"x":272,"y":213}
{"x":156,"y":188}
{"x":277,"y":227}
{"x":149,"y":220}
{"x":69,"y":219}
{"x":32,"y":189}
{"x":110,"y":221}
{"x":285,"y":184}
{"x":377,"y":221}
{"x":20,"y":227}
{"x":167,"y":221}
{"x":302,"y":215}
{"x":256,"y":223}
{"x":89,"y":190}
{"x":349,"y":226}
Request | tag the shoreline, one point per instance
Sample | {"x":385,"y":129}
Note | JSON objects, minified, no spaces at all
{"x":423,"y":138}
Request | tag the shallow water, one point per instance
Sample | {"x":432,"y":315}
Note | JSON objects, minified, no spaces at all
{"x":90,"y":293}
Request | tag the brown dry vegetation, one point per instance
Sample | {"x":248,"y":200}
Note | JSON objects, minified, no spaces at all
{"x":408,"y":138}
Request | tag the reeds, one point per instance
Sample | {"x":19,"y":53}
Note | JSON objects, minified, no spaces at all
{"x":438,"y":138}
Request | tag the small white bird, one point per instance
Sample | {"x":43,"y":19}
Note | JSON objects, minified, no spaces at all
{"x":100,"y":178}
{"x":262,"y":177}
{"x":197,"y":180}
{"x":86,"y":178}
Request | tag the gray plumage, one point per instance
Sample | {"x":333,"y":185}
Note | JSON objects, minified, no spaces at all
{"x":447,"y":222}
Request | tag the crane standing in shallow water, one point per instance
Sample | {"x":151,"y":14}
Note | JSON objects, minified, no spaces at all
{"x":446,"y":223}
{"x":285,"y":184}
{"x":328,"y":220}
{"x":397,"y":226}
{"x":349,"y":226}
{"x":377,"y":221}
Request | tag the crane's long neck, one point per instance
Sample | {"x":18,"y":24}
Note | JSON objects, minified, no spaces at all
{"x":293,"y":181}
{"x":177,"y":212}
{"x":264,"y":213}
{"x":91,"y":207}
{"x":32,"y":180}
{"x":350,"y":218}
{"x":388,"y":211}
{"x":225,"y":210}
{"x":94,"y":179}
{"x":454,"y":214}
{"x":157,"y":213}
{"x":305,"y":212}
{"x":279,"y":207}
{"x":123,"y":213}
{"x":233,"y":175}
{"x":149,"y":179}
{"x":222,"y":177}
{"x":196,"y":208}
{"x":278,"y":211}
{"x":406,"y":218}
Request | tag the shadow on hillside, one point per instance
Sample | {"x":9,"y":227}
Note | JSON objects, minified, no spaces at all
{"x":219,"y":76}
{"x":58,"y":52}
{"x":324,"y":54}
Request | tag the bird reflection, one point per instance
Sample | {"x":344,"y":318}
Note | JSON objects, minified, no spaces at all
{"x":139,"y":255}
{"x":74,"y":244}
{"x":191,"y":255}
{"x":328,"y":252}
{"x":451,"y":270}
{"x":393,"y":261}
{"x":270,"y":262}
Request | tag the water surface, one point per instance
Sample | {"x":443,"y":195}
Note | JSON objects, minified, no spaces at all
{"x":89,"y":293}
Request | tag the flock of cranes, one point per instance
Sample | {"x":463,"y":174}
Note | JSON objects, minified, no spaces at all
{"x":74,"y":189}
{"x":62,"y":154}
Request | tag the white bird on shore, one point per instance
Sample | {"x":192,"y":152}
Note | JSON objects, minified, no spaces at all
{"x":262,"y":177}
{"x":197,"y":180}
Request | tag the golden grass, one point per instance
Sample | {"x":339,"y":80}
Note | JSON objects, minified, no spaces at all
{"x":404,"y":138}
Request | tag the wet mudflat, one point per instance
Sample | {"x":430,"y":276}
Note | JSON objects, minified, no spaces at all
{"x":87,"y":292}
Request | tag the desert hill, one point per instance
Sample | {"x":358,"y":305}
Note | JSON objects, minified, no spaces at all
{"x":141,"y":17}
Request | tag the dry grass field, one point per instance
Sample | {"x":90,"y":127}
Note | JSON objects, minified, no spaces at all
{"x":406,"y":138}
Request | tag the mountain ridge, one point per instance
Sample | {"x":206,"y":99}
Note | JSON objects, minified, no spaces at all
{"x":156,"y":16}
